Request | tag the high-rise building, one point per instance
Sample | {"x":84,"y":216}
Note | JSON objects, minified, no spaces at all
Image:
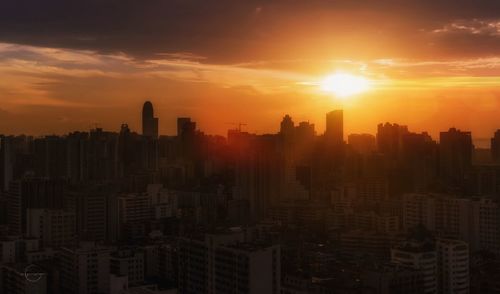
{"x":149,"y":122}
{"x":419,"y":158}
{"x":334,"y":133}
{"x":76,"y":152}
{"x":287,"y":126}
{"x":495,"y":147}
{"x":134,"y":211}
{"x":130,"y":263}
{"x":185,"y":126}
{"x":32,"y":193}
{"x":6,"y":162}
{"x":419,"y":252}
{"x":453,"y":266}
{"x":51,"y":157}
{"x":362,"y":143}
{"x":54,"y":227}
{"x":475,"y":221}
{"x":389,"y":139}
{"x":85,"y":269}
{"x":223,"y":264}
{"x":91,"y":207}
{"x":102,"y":155}
{"x":455,"y":155}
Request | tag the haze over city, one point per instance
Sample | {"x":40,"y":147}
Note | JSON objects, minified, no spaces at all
{"x":431,"y":65}
{"x":250,"y":147}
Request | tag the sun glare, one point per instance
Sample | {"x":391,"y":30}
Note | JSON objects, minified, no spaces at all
{"x":344,"y":85}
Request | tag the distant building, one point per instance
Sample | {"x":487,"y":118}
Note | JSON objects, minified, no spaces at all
{"x":419,"y":252}
{"x":419,"y":159}
{"x":334,"y":133}
{"x":14,"y":249}
{"x":475,"y":221}
{"x":224,"y":264}
{"x":32,"y":193}
{"x":149,"y":122}
{"x":455,"y":155}
{"x":91,"y":204}
{"x":287,"y":126}
{"x":393,"y":279}
{"x":389,"y":139}
{"x":185,"y":126}
{"x":362,"y":143}
{"x":55,"y":228}
{"x":130,"y":263}
{"x":134,"y":211}
{"x":495,"y":147}
{"x":453,"y":266}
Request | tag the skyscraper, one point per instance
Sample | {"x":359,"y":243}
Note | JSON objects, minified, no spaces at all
{"x":185,"y":127}
{"x":334,"y":133}
{"x":455,"y":154}
{"x":149,"y":122}
{"x":389,"y":139}
{"x":495,"y":146}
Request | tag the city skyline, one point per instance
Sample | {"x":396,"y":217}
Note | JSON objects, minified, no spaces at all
{"x":431,"y":65}
{"x":249,"y":146}
{"x":149,"y":126}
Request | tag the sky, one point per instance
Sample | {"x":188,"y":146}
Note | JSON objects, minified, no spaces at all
{"x":73,"y":65}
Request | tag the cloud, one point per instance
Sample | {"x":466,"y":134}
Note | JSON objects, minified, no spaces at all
{"x":472,"y":27}
{"x":234,"y":31}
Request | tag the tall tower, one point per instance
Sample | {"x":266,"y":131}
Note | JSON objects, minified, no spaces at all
{"x":335,"y":127}
{"x":149,"y":122}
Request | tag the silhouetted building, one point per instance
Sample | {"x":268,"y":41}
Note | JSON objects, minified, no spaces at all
{"x":419,"y":160}
{"x":54,"y":227}
{"x":334,"y":133}
{"x":130,"y":263}
{"x":185,"y":127}
{"x":362,"y":143}
{"x":475,"y":221}
{"x":389,"y":139}
{"x":419,"y":252}
{"x":495,"y":147}
{"x":287,"y":126}
{"x":149,"y":122}
{"x":225,"y":263}
{"x":32,"y":193}
{"x":453,"y":266}
{"x":85,"y":269}
{"x":455,"y":155}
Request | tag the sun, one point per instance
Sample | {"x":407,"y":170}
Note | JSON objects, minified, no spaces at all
{"x":345,"y":85}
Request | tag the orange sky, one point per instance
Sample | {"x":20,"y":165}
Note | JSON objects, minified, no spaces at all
{"x":253,"y":64}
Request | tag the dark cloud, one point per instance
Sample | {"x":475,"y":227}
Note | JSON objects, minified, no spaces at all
{"x":234,"y":30}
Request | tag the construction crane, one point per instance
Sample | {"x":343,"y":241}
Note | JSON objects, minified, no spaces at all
{"x":239,"y":124}
{"x":94,"y":126}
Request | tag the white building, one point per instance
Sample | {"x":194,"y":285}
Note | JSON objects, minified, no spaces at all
{"x":55,"y":228}
{"x":475,"y":221}
{"x":225,"y":263}
{"x":453,"y":266}
{"x":85,"y":270}
{"x":134,"y":211}
{"x":421,"y":256}
{"x":130,"y":263}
